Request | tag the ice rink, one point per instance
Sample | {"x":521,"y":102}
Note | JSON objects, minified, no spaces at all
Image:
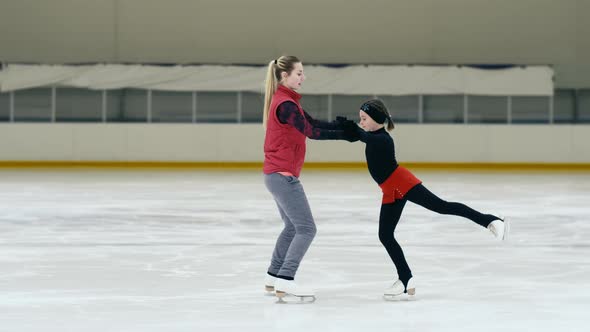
{"x":186,"y":250}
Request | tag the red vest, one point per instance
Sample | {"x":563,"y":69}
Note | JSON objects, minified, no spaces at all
{"x":284,"y":146}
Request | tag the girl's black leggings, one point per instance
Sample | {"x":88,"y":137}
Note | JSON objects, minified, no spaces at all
{"x":391,"y":213}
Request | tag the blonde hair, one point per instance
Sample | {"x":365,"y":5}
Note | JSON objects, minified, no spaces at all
{"x":285,"y":63}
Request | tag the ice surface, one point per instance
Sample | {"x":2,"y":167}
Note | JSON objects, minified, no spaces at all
{"x":155,"y":250}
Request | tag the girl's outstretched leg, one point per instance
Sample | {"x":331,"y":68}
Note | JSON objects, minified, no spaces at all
{"x":423,"y":197}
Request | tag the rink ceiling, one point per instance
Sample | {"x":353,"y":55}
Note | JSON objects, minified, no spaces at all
{"x":539,"y":32}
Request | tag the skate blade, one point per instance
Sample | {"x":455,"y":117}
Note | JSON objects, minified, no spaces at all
{"x":409,"y":296}
{"x":506,"y":230}
{"x":269,"y":291}
{"x":284,"y":298}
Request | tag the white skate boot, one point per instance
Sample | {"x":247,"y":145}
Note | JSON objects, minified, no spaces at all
{"x":499,"y":228}
{"x":289,"y":292}
{"x":269,"y":284}
{"x":397,"y":291}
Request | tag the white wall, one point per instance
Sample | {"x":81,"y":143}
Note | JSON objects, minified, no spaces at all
{"x":243,"y":143}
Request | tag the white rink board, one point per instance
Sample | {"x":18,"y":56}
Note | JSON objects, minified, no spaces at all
{"x":422,"y":143}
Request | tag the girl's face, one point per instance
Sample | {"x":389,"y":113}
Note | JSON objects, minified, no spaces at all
{"x":293,"y":81}
{"x":367,"y":123}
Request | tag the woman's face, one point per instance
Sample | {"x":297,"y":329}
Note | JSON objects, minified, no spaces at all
{"x":367,"y":123}
{"x":294,"y":80}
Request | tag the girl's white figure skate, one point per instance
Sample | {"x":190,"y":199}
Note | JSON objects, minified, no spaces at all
{"x":269,"y":284}
{"x":397,"y":291}
{"x":499,"y":228}
{"x":287,"y":291}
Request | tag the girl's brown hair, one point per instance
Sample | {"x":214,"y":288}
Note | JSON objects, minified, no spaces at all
{"x":380,"y":106}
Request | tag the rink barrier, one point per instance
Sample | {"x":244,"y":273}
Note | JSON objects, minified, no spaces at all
{"x":308,"y":165}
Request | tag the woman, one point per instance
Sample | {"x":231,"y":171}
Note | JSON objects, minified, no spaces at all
{"x":287,"y":127}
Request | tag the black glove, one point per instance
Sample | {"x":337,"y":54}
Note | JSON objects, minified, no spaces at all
{"x":340,"y":121}
{"x":351,"y":129}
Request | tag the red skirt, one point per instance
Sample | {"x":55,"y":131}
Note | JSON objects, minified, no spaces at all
{"x":398,"y":184}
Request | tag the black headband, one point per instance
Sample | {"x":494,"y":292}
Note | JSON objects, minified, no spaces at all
{"x":374,"y":113}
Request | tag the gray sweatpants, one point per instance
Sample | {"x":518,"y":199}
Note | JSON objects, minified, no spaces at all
{"x":299,"y":229}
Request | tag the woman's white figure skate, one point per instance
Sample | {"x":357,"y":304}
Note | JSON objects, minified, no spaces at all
{"x":287,"y":291}
{"x":269,"y":284}
{"x":500,"y":229}
{"x":397,"y":291}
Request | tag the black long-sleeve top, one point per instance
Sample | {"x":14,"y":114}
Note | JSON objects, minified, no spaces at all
{"x":288,"y":113}
{"x":380,"y":153}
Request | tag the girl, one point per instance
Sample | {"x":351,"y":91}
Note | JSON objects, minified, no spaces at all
{"x":399,"y":186}
{"x":287,"y":126}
